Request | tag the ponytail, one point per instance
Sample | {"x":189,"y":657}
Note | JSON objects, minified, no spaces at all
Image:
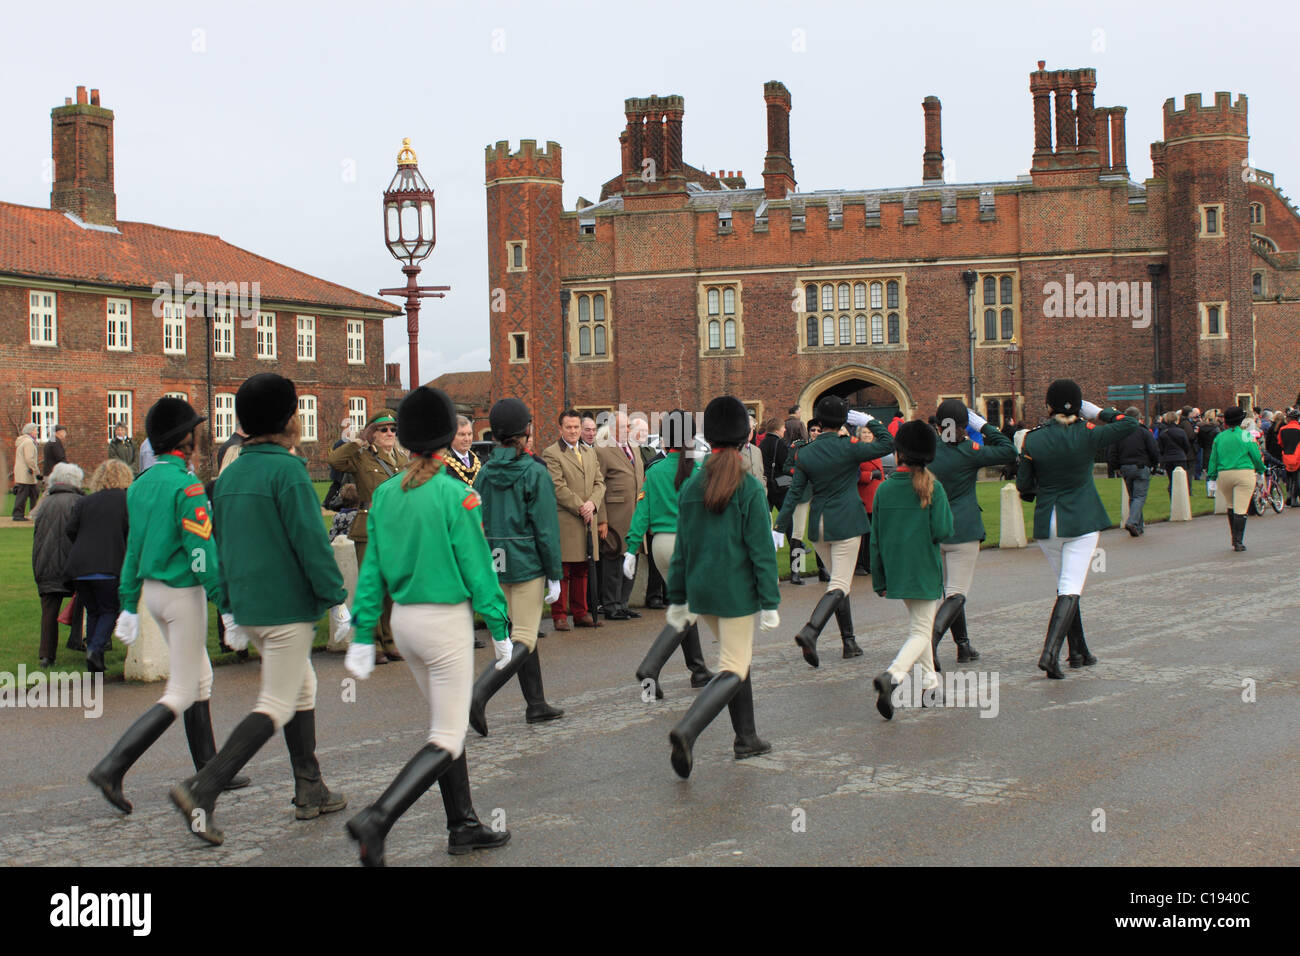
{"x":423,"y":468}
{"x":723,"y":473}
{"x":685,"y":465}
{"x":922,"y":484}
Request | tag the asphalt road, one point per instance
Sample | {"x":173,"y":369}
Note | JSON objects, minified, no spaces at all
{"x":1157,"y":736}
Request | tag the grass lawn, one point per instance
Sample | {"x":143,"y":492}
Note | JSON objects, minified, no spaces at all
{"x":20,"y":609}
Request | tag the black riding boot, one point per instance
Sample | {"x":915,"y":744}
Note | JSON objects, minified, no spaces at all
{"x":944,"y":617}
{"x":807,"y":637}
{"x":465,"y":833}
{"x":139,"y":737}
{"x":203,"y":746}
{"x":1062,"y":619}
{"x":530,"y":683}
{"x":823,"y":574}
{"x":311,"y":797}
{"x":488,"y":683}
{"x":196,"y":797}
{"x":1080,"y":656}
{"x":748,"y":743}
{"x":706,"y":706}
{"x":658,"y":655}
{"x":694,"y":656}
{"x":844,"y":617}
{"x":796,"y":576}
{"x":371,"y":825}
{"x":1239,"y":539}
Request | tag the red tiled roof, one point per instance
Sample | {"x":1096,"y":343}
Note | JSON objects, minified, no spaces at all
{"x":47,"y":244}
{"x":472,"y":388}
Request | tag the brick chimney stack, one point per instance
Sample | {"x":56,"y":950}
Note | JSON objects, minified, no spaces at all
{"x":778,"y":170}
{"x":83,"y":160}
{"x":932,"y":159}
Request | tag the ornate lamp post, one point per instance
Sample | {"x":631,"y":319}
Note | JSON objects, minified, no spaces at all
{"x":409,"y":234}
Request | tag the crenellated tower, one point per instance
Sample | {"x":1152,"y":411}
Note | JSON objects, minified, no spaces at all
{"x":1203,"y":157}
{"x":524,"y":203}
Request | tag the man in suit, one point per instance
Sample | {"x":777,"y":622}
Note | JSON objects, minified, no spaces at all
{"x":624,"y":474}
{"x":463,"y":463}
{"x":580,"y":494}
{"x":55,"y":449}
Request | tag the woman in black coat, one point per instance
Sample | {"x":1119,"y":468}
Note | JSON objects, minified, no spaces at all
{"x":774,"y":451}
{"x":50,"y":547}
{"x":1175,"y":451}
{"x":98,"y":530}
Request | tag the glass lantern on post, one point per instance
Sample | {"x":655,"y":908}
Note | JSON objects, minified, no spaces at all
{"x":409,"y":233}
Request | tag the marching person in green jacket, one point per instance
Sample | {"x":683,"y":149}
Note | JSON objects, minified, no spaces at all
{"x":656,"y":511}
{"x":909,"y":519}
{"x":837,"y":517}
{"x":280,"y":576}
{"x":1235,"y":460}
{"x":798,"y":552}
{"x":723,"y":570}
{"x":522,"y":527}
{"x":428,"y":551}
{"x":171,"y":560}
{"x":1055,"y":473}
{"x":957,"y":462}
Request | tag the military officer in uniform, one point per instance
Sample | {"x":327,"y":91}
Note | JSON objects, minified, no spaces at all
{"x":957,"y":462}
{"x":371,"y":459}
{"x":837,"y":517}
{"x":1056,"y":474}
{"x":624,"y":475}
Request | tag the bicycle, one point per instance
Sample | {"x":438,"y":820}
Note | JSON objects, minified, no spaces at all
{"x":1270,"y":489}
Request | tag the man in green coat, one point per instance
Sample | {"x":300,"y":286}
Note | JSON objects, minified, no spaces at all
{"x":837,"y":518}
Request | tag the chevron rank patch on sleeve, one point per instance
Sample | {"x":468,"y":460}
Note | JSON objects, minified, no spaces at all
{"x":200,"y":525}
{"x":471,"y":501}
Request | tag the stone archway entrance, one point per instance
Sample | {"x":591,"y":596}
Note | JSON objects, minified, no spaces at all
{"x":866,"y":389}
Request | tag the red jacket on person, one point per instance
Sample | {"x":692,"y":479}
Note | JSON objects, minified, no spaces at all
{"x":870,"y":475}
{"x":1288,"y":436}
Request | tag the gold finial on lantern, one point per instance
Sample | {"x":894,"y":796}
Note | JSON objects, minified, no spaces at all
{"x":406,"y":155}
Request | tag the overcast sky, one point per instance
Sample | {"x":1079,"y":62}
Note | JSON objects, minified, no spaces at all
{"x":275,"y":125}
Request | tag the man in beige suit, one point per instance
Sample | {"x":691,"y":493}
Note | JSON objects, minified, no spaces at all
{"x":580,"y":494}
{"x":624,"y":473}
{"x":26,"y":472}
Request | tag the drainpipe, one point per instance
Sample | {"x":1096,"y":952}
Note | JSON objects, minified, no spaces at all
{"x":564,"y":344}
{"x":969,"y":278}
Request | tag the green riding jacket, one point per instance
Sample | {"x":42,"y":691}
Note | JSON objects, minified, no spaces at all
{"x":724,"y":564}
{"x":656,"y":509}
{"x":520,"y":519}
{"x":1056,"y":473}
{"x":275,"y":555}
{"x":170,"y":535}
{"x":1233,"y":448}
{"x":830,"y":465}
{"x":904,"y":546}
{"x":427,"y":547}
{"x":957,"y":468}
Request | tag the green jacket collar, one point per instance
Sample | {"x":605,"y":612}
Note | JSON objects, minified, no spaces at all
{"x":269,"y":448}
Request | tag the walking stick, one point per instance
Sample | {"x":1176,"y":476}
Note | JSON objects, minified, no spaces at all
{"x":593,"y":585}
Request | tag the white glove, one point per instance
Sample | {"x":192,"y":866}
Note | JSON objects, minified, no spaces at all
{"x":503,"y":649}
{"x":858,"y":419}
{"x":1090,"y":411}
{"x":552,"y":591}
{"x":342,"y":618}
{"x":237,"y":639}
{"x":778,"y":540}
{"x":679,"y":617}
{"x":128,"y":627}
{"x":769,"y":620}
{"x":973,"y":418}
{"x":360,"y":659}
{"x":629,"y":566}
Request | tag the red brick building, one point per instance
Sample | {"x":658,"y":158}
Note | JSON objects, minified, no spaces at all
{"x":680,"y":284}
{"x":120,"y":313}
